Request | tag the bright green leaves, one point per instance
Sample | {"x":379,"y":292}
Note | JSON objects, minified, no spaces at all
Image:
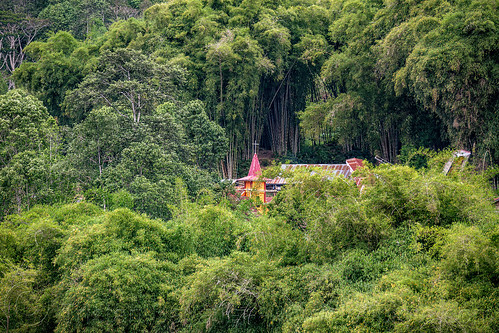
{"x":428,"y":199}
{"x":331,"y":214}
{"x":89,"y":18}
{"x":215,"y":231}
{"x":117,"y":231}
{"x":116,"y":292}
{"x":97,"y":141}
{"x":146,"y":159}
{"x":450,"y":70}
{"x":230,"y":302}
{"x":312,"y":48}
{"x":57,"y":68}
{"x":411,"y":250}
{"x":23,"y":180}
{"x":244,"y":58}
{"x":275,"y":39}
{"x":123,"y":34}
{"x":413,"y":64}
{"x":313,"y":121}
{"x":393,"y":50}
{"x":354,"y":17}
{"x":29,"y":157}
{"x":24,"y":125}
{"x":468,"y":253}
{"x":20,"y":305}
{"x":278,"y":241}
{"x":206,"y":137}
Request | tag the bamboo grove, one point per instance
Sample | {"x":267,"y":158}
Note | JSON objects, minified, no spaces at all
{"x":369,"y":76}
{"x":123,"y":122}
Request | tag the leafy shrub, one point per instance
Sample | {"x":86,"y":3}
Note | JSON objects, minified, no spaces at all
{"x":469,"y":254}
{"x":117,"y":292}
{"x":216,"y":231}
{"x":222,"y":295}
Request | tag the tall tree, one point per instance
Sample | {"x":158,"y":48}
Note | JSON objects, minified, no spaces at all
{"x":56,"y":67}
{"x":31,"y":167}
{"x":83,"y":18}
{"x":127,"y":81}
{"x":24,"y":125}
{"x":16,"y":32}
{"x":453,"y":72}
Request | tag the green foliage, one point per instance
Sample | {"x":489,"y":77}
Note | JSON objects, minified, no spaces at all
{"x":457,"y":53}
{"x":443,"y":317}
{"x":113,"y":153}
{"x":207,"y":137}
{"x":20,"y":307}
{"x":275,"y":240}
{"x":469,"y":254}
{"x":313,"y":120}
{"x":155,"y":106}
{"x":97,"y":141}
{"x":31,"y":167}
{"x":397,"y":255}
{"x":427,"y":198}
{"x":216,"y":231}
{"x":24,"y":125}
{"x":231,"y":303}
{"x":329,"y":212}
{"x":84,"y":18}
{"x":121,"y":199}
{"x":129,"y":82}
{"x":117,"y":292}
{"x":122,"y":231}
{"x":56,"y":67}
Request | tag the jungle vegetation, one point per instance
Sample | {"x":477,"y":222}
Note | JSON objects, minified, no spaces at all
{"x":119,"y":118}
{"x":414,"y":251}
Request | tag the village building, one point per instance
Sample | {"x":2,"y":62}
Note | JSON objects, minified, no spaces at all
{"x":255,"y":186}
{"x":264,"y":189}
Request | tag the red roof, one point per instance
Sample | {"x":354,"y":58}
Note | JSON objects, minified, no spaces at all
{"x":345,"y":170}
{"x":355,"y":163}
{"x":255,"y":172}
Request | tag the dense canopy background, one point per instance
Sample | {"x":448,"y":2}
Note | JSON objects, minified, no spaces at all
{"x":118,"y":118}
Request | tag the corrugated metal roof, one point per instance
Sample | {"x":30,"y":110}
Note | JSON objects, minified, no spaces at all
{"x":355,"y":163}
{"x":332,"y":169}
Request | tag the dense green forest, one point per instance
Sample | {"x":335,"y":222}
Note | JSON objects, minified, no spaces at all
{"x":415,"y":251}
{"x":119,"y":118}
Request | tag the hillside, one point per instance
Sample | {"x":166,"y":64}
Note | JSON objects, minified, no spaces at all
{"x":119,"y":119}
{"x":415,"y":251}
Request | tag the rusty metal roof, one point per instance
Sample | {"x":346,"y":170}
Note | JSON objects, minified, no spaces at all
{"x":332,"y":169}
{"x":355,"y":163}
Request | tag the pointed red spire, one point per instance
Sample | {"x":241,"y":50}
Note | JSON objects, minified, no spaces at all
{"x":255,"y":170}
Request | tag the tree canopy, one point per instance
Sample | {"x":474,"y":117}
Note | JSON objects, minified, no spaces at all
{"x":124,"y":123}
{"x":415,"y":250}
